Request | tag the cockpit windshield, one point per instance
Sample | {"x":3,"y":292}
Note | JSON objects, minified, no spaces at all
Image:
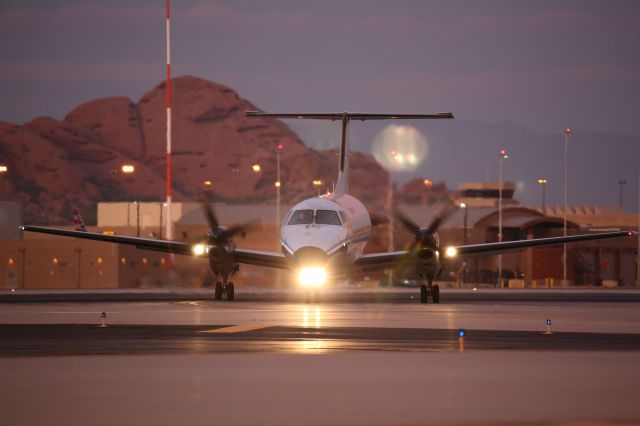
{"x":327,"y":217}
{"x":301,"y":217}
{"x":322,"y":217}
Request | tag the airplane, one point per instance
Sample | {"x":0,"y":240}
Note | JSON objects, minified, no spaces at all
{"x":324,"y":237}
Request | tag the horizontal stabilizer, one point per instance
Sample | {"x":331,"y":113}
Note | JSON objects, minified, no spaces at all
{"x":349,"y":116}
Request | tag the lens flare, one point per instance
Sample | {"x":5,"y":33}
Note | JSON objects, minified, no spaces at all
{"x":400,"y":148}
{"x":312,"y":277}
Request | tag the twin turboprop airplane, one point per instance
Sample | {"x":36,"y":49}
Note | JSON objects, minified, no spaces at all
{"x":324,"y":237}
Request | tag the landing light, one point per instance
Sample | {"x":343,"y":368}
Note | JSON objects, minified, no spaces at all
{"x":451,"y":252}
{"x":199,"y":249}
{"x":312,"y":277}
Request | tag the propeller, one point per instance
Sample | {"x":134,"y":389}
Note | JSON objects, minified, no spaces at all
{"x":217,"y":233}
{"x":446,"y":210}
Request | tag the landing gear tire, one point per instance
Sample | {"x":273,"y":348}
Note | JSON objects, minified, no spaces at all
{"x":435,"y":294}
{"x":218,"y":291}
{"x":231,"y":292}
{"x":424,"y":294}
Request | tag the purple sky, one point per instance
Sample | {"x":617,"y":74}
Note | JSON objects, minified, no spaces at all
{"x":543,"y":65}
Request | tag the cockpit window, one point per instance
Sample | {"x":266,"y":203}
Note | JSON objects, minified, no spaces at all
{"x":301,"y":217}
{"x":327,"y":217}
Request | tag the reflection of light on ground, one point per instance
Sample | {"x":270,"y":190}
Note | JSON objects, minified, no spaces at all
{"x":316,"y":346}
{"x":309,"y":315}
{"x":312,"y":317}
{"x":400,"y":148}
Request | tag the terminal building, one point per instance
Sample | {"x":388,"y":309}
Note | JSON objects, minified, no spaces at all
{"x":43,"y":261}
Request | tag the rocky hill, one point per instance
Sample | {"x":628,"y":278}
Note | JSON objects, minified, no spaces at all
{"x":55,"y":166}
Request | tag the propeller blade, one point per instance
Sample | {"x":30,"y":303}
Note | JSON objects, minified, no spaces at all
{"x":231,"y":231}
{"x":405,"y":221}
{"x":205,"y":201}
{"x":445,"y":211}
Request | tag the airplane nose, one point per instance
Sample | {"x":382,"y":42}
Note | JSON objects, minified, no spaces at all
{"x":310,"y":256}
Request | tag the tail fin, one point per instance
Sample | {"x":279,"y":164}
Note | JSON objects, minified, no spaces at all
{"x":78,"y":222}
{"x":345,"y":117}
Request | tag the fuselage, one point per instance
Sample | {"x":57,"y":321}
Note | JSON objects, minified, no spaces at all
{"x":335,"y":228}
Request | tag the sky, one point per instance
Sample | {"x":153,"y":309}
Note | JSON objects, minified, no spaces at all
{"x":543,"y":65}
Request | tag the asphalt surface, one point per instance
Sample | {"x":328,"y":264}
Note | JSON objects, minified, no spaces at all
{"x":342,"y":294}
{"x":358,"y":357}
{"x":74,"y":339}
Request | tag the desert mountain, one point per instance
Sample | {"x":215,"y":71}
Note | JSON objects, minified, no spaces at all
{"x":55,"y":166}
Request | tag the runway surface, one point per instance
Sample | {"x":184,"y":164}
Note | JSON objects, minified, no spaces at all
{"x":269,"y":359}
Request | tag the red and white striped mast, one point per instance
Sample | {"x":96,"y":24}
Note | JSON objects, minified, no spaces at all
{"x":169,"y":233}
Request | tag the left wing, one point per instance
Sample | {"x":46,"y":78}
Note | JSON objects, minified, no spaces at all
{"x":375,"y":261}
{"x":506,"y":246}
{"x":250,"y":257}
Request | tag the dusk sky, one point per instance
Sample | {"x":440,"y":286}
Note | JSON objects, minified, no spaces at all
{"x":544,"y":65}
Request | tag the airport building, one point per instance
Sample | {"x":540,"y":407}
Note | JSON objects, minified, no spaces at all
{"x":43,"y":261}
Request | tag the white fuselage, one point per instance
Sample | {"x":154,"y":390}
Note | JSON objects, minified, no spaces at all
{"x":338,"y":225}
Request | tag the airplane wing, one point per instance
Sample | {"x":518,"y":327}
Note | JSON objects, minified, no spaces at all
{"x":507,"y":246}
{"x":249,"y":257}
{"x":375,"y":261}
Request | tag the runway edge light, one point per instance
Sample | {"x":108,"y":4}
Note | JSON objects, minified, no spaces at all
{"x":103,"y":319}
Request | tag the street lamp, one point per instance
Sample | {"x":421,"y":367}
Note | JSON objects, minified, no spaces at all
{"x":503,"y":155}
{"x":207,"y":184}
{"x":464,"y":239}
{"x":278,"y":184}
{"x":3,"y":171}
{"x":567,"y":133}
{"x":543,"y":182}
{"x":127,"y":169}
{"x":256,"y":168}
{"x":621,"y":182}
{"x":428,"y":183}
{"x":317,"y":183}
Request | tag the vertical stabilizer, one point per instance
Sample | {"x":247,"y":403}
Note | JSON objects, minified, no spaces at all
{"x":342,"y":187}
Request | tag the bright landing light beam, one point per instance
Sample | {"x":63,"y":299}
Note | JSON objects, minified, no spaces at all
{"x":312,"y":277}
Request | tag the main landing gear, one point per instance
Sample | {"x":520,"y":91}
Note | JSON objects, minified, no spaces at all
{"x":227,"y":288}
{"x":429,"y":289}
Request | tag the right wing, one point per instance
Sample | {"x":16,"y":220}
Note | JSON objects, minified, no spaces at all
{"x":165,"y":246}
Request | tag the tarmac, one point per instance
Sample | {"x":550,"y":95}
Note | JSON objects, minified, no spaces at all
{"x":359,"y":356}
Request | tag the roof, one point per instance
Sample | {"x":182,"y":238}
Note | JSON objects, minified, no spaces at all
{"x":229,"y":214}
{"x":512,"y":217}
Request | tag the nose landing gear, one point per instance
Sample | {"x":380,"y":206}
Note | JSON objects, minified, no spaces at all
{"x":429,"y":289}
{"x":227,"y":288}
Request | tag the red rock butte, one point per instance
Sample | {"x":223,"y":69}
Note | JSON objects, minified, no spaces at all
{"x":56,"y":166}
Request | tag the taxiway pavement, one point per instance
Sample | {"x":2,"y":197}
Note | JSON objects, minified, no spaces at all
{"x":354,"y":358}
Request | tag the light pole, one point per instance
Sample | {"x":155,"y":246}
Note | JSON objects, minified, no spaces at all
{"x":256,"y":168}
{"x":464,"y":239}
{"x":621,"y":182}
{"x":278,"y":185}
{"x":567,"y":132}
{"x":543,"y":182}
{"x":3,"y":171}
{"x":317,"y":183}
{"x":428,"y":183}
{"x":503,"y":155}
